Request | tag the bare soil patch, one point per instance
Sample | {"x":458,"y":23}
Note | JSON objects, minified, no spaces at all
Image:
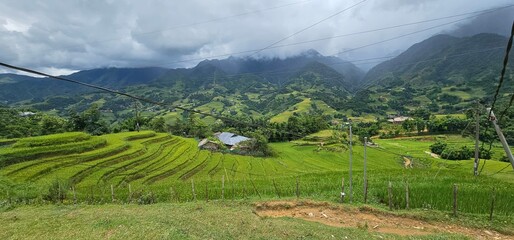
{"x":366,"y":218}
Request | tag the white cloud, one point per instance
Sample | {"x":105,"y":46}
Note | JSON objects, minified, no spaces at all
{"x":64,"y":36}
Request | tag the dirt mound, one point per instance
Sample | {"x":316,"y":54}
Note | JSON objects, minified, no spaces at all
{"x":366,"y":218}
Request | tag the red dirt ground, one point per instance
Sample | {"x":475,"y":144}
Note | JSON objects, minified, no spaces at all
{"x":368,"y":218}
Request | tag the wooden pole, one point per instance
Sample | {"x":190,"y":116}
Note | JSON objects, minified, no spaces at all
{"x":276,"y":189}
{"x":74,"y":195}
{"x":390,"y":191}
{"x":193,"y":189}
{"x":297,"y":188}
{"x":92,"y":195}
{"x":455,"y":189}
{"x":129,"y":194}
{"x":365,"y":191}
{"x":254,"y":188}
{"x":172,"y":195}
{"x":233,"y":189}
{"x":223,"y":187}
{"x":342,"y":189}
{"x":365,"y":163}
{"x":407,"y":195}
{"x":244,"y":189}
{"x":493,"y":199}
{"x":59,"y":192}
{"x":112,"y":193}
{"x":477,"y":136}
{"x":351,"y":160}
{"x":206,"y":191}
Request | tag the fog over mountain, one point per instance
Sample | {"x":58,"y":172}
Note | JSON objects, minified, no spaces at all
{"x":62,"y":37}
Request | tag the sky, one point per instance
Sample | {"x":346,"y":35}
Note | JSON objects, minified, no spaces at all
{"x":60,"y":37}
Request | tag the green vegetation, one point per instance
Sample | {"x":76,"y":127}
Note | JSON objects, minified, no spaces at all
{"x":199,"y":220}
{"x":159,"y":167}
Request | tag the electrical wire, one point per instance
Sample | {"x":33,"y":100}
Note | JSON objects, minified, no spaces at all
{"x":307,"y":28}
{"x":475,"y":13}
{"x":505,"y":61}
{"x":502,"y":75}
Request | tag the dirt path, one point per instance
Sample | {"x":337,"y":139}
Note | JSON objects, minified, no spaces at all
{"x":336,"y":216}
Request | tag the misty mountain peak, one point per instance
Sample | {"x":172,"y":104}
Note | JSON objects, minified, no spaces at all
{"x":311,"y":53}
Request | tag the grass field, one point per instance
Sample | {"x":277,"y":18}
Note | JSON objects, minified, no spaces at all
{"x":148,"y":167}
{"x":193,"y":220}
{"x":300,"y":107}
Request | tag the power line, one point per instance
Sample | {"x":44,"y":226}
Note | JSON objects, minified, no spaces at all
{"x":405,"y":35}
{"x":227,"y":119}
{"x":392,"y":27}
{"x":307,"y":28}
{"x":502,"y":74}
{"x":476,"y":13}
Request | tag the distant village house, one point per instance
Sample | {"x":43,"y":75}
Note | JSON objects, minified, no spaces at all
{"x":398,"y":120}
{"x":26,"y":114}
{"x":230,"y":140}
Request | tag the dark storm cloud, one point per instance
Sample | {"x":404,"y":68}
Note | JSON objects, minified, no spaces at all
{"x":63,"y":36}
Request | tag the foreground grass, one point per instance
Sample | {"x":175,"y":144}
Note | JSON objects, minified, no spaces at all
{"x":194,"y":220}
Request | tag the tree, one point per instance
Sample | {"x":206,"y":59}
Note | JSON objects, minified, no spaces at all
{"x":420,"y":124}
{"x":421,"y":113}
{"x":257,"y":145}
{"x":158,"y":124}
{"x":89,"y":121}
{"x":409,"y":125}
{"x":51,"y":124}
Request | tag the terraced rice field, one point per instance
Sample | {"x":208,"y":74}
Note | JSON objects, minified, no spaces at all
{"x":154,"y":167}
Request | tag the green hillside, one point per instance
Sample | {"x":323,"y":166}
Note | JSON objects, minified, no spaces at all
{"x":443,"y":73}
{"x":143,"y":166}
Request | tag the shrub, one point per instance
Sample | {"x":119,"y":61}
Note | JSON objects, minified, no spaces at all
{"x":438,"y":147}
{"x":457,"y":153}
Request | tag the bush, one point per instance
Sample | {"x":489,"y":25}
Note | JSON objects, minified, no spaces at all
{"x":56,"y":192}
{"x":438,"y":147}
{"x":504,"y":159}
{"x":457,"y":153}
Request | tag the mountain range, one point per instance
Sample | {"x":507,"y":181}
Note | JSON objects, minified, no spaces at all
{"x":444,"y":73}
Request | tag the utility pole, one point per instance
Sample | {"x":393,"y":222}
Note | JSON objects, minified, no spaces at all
{"x":365,"y":158}
{"x":137,"y":116}
{"x":502,"y":138}
{"x":351,"y":153}
{"x":477,"y":135}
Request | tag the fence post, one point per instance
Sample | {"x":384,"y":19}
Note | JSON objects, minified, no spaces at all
{"x":365,"y":191}
{"x":207,"y":191}
{"x":171,"y":194}
{"x":407,"y":196}
{"x":276,"y":189}
{"x":130,"y":194}
{"x":59,"y":192}
{"x":297,"y":188}
{"x":244,"y":188}
{"x":223,"y":187}
{"x":92,"y":195}
{"x":455,"y":189}
{"x":193,"y":189}
{"x":493,"y":199}
{"x":112,"y":193}
{"x":74,"y":195}
{"x":254,"y":188}
{"x":390,"y":191}
{"x":342,"y":189}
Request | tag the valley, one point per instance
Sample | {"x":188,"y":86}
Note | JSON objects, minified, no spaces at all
{"x":280,"y":142}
